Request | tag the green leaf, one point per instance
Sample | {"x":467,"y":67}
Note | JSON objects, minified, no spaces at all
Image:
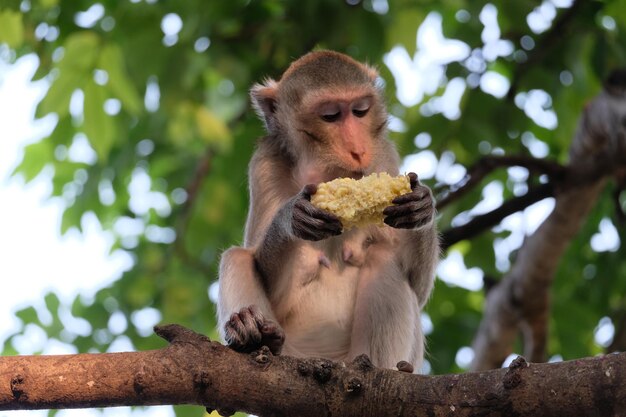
{"x":52,"y":303}
{"x":27,"y":315}
{"x":180,"y":125}
{"x":81,"y":51}
{"x":615,"y":9}
{"x":112,"y":61}
{"x":63,"y":133}
{"x":57,"y":99}
{"x":36,"y":157}
{"x":98,"y":126}
{"x":192,"y":411}
{"x":76,"y":66}
{"x":11,"y":28}
{"x":48,"y":3}
{"x":71,"y":218}
{"x":212,"y":129}
{"x":404,"y":31}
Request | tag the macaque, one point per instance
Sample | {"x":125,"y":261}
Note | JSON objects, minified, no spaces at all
{"x":300,"y":284}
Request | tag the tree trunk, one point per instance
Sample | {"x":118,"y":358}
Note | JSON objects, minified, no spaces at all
{"x":521,"y":301}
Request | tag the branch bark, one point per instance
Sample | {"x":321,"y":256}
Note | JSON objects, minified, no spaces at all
{"x":194,"y":370}
{"x":521,"y":300}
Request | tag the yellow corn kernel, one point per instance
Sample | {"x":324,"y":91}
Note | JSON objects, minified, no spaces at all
{"x":359,"y":203}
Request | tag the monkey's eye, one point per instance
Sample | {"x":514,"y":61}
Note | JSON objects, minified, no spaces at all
{"x":331,"y":117}
{"x":361,"y":107}
{"x":360,"y":112}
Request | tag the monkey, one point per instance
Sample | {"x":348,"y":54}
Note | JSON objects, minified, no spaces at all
{"x":300,"y":284}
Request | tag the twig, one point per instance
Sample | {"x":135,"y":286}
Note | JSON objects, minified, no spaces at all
{"x":551,"y":39}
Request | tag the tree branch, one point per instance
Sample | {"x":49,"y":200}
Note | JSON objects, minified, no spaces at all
{"x":521,"y":301}
{"x":487,"y":164}
{"x":486,"y":221}
{"x":194,"y":370}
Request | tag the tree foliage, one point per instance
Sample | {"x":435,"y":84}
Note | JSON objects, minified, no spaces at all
{"x":153,"y":133}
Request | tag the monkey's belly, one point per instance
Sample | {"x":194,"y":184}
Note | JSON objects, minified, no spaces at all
{"x":319,"y":323}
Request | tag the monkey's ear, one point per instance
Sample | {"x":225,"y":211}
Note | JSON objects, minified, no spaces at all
{"x":264,"y":102}
{"x":371,"y":72}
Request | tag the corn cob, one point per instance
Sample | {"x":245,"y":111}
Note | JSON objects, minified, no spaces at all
{"x":359,"y":203}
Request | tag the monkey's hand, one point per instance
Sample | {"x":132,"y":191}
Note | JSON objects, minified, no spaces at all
{"x":309,"y":222}
{"x":413,"y":210}
{"x":248,"y":330}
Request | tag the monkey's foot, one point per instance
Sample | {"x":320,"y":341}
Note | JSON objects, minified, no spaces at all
{"x":248,"y":330}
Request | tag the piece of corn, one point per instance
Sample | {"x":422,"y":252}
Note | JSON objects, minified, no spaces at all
{"x":361,"y":202}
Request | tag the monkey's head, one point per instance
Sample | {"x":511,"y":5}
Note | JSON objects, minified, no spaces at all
{"x":327,"y":110}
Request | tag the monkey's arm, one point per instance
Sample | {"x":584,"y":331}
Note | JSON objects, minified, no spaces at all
{"x":418,"y":251}
{"x":296,"y":219}
{"x":418,"y":256}
{"x":278,"y":218}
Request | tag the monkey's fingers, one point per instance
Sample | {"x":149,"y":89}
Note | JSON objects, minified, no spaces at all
{"x":413,"y":180}
{"x":308,"y":191}
{"x":310,"y":210}
{"x":409,"y":222}
{"x":311,"y":223}
{"x":408,"y":207}
{"x":418,"y":193}
{"x":314,"y":230}
{"x":413,"y":215}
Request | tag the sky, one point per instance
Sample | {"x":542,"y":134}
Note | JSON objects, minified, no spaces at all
{"x":34,"y":258}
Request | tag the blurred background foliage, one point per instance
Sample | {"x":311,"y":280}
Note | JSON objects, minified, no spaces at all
{"x":153,"y":133}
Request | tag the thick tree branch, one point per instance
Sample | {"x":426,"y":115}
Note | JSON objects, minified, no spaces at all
{"x":487,"y":164}
{"x":194,"y":370}
{"x":488,"y":220}
{"x":521,"y":300}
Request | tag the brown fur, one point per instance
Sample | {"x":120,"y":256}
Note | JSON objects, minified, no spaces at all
{"x":315,"y":290}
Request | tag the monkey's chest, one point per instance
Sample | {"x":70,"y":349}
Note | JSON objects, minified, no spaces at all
{"x":317,"y":312}
{"x":320,"y":317}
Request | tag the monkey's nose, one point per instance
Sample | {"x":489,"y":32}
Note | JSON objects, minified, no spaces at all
{"x":357,"y":156}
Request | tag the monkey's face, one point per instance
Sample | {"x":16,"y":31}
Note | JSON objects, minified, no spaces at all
{"x":328,"y":114}
{"x":340,"y":128}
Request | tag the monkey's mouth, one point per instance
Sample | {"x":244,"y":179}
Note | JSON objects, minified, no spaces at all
{"x":357,"y":175}
{"x":343,"y":173}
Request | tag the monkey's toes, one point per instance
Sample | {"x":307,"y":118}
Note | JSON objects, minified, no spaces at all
{"x":243,"y":330}
{"x":404,"y":366}
{"x":273,"y":337}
